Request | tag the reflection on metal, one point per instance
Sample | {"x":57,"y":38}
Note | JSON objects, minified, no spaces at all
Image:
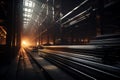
{"x":3,"y":34}
{"x":77,"y":20}
{"x":76,"y":46}
{"x":73,"y":9}
{"x":50,"y":67}
{"x":110,"y":2}
{"x":79,"y":15}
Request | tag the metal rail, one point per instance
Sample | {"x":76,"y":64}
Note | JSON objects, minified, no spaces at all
{"x":49,"y":73}
{"x":45,"y":73}
{"x":85,"y":70}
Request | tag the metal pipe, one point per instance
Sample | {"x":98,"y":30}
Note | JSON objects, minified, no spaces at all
{"x":73,"y":10}
{"x":77,"y":15}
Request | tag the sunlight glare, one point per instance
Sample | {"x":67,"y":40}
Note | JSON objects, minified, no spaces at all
{"x":25,"y":43}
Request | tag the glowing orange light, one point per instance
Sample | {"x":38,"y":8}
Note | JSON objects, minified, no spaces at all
{"x":25,"y":43}
{"x":37,"y":43}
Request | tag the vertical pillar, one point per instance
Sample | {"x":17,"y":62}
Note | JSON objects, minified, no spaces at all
{"x":99,"y":15}
{"x":48,"y":36}
{"x":57,"y":11}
